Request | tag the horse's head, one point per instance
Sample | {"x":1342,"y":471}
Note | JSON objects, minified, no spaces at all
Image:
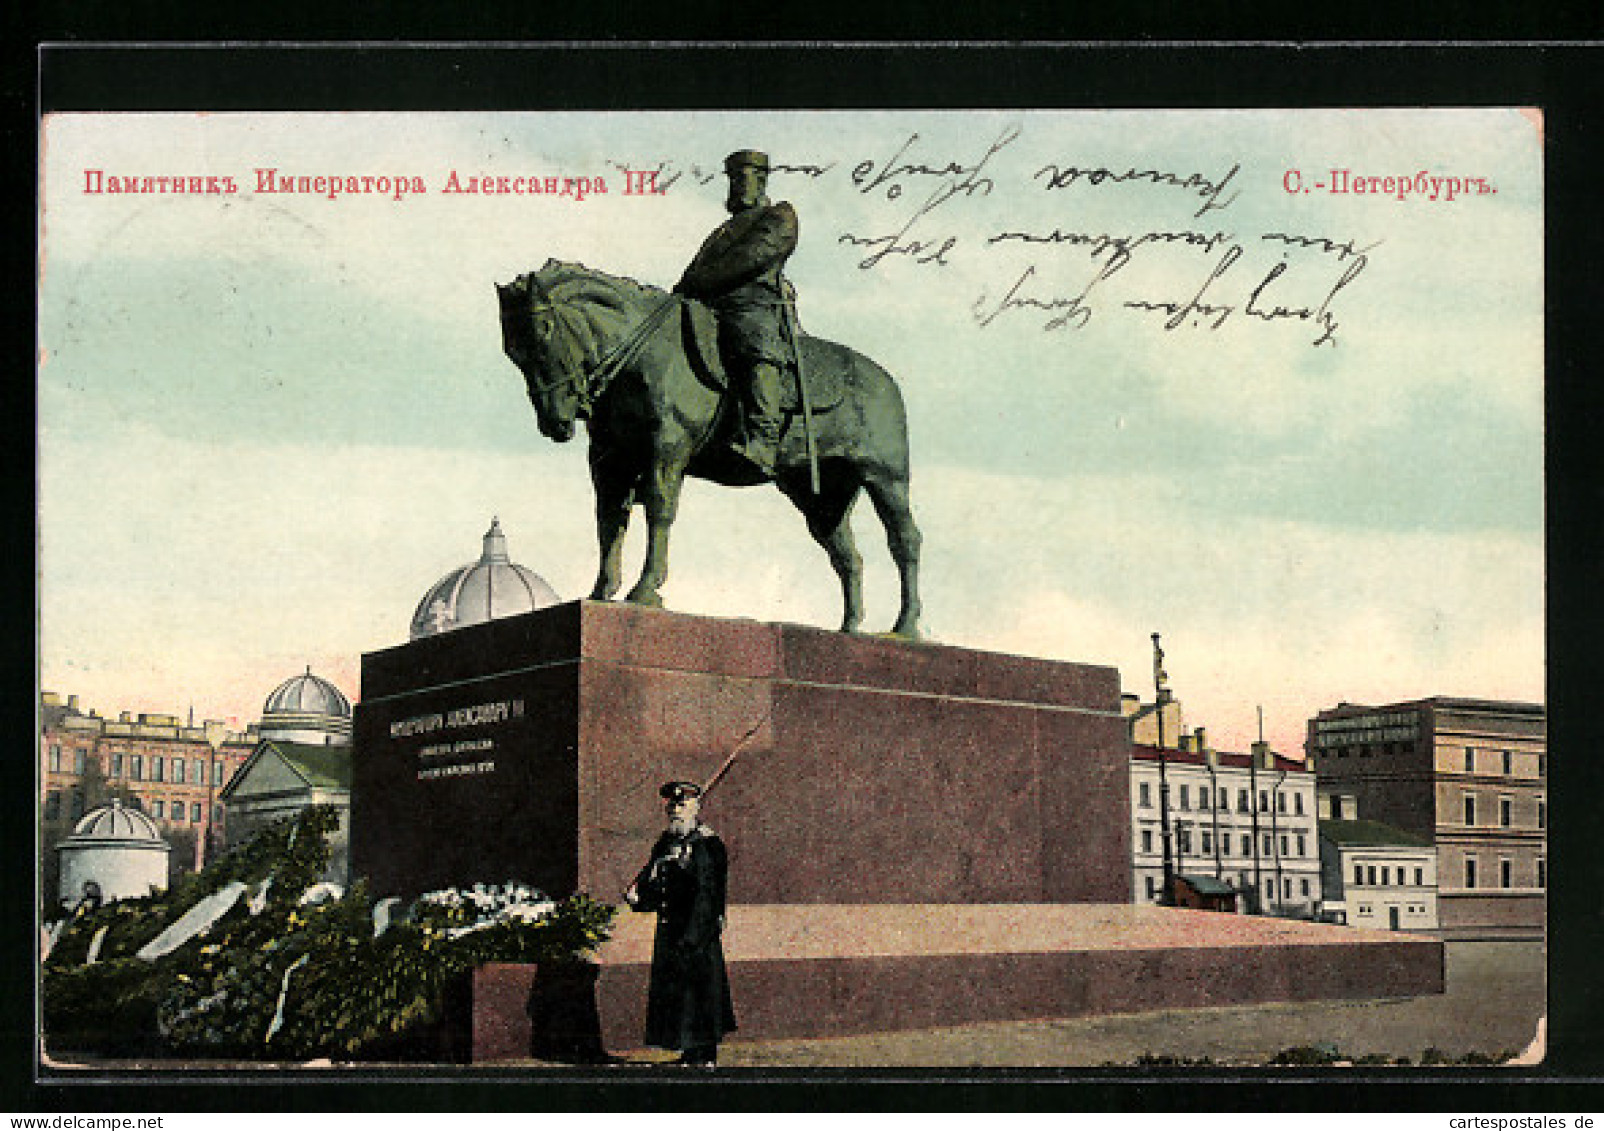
{"x":548,"y":350}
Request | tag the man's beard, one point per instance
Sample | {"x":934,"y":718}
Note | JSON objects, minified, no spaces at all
{"x":681,"y":826}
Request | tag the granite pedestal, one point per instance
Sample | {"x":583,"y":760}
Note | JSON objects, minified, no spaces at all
{"x":918,"y":834}
{"x":871,"y":770}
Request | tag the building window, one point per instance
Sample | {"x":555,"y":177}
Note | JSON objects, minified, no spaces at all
{"x":178,"y":811}
{"x":1470,"y":808}
{"x":77,"y":804}
{"x":1297,"y":803}
{"x":1420,"y":877}
{"x":200,"y":772}
{"x":1386,"y":875}
{"x":1470,"y":871}
{"x":1144,"y":795}
{"x":1186,"y":797}
{"x":1506,"y":811}
{"x":1506,"y":874}
{"x":1370,"y":872}
{"x":195,"y":812}
{"x":1225,"y":844}
{"x":1470,"y":759}
{"x":1358,"y":873}
{"x":1222,"y":800}
{"x":158,"y":768}
{"x":1203,"y":797}
{"x":1269,"y":845}
{"x":1147,"y":840}
{"x":53,"y":808}
{"x":217,"y":773}
{"x":1208,"y":842}
{"x":1542,"y":872}
{"x":1152,"y":887}
{"x":1264,"y":801}
{"x":1303,"y":845}
{"x":178,"y":771}
{"x":137,"y":762}
{"x":1303,"y":886}
{"x":116,"y":765}
{"x":1542,"y":813}
{"x":1241,"y":801}
{"x":55,"y":759}
{"x":1284,"y":851}
{"x":1247,"y":845}
{"x":77,"y":761}
{"x":156,"y":808}
{"x":1509,"y":763}
{"x":1286,"y":887}
{"x":1183,"y":840}
{"x":1280,"y":801}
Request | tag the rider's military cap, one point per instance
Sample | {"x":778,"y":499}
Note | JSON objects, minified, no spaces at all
{"x":744,"y":157}
{"x":680,"y":790}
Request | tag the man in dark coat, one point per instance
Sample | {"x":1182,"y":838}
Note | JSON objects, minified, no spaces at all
{"x":737,"y":273}
{"x":688,"y":1007}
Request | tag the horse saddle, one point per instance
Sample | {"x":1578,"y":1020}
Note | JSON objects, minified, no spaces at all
{"x":825,"y":388}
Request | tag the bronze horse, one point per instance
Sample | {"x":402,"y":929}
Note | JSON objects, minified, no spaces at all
{"x":613,"y":352}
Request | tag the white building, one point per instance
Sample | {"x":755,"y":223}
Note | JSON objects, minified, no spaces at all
{"x":1374,"y":874}
{"x":302,"y":758}
{"x":113,"y":853}
{"x":1244,"y":819}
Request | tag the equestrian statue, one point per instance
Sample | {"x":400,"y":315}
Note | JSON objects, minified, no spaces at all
{"x":715,"y":380}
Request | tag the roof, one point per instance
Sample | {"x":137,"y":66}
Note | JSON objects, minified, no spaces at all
{"x":1225,"y":759}
{"x":1360,"y":833}
{"x":321,"y":767}
{"x":307,"y":694}
{"x":1207,"y":885}
{"x":1447,"y":702}
{"x":113,"y":824}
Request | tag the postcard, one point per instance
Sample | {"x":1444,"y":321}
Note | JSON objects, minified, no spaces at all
{"x":1261,"y":388}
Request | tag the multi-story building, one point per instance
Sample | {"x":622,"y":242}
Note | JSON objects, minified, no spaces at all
{"x":1243,"y":819}
{"x":1372,"y":874}
{"x":1470,"y":776}
{"x":173,"y":771}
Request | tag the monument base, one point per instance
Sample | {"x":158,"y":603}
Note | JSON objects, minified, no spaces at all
{"x":830,"y":970}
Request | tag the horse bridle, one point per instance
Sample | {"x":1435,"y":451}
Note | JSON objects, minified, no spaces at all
{"x":591,"y":383}
{"x":580,"y":378}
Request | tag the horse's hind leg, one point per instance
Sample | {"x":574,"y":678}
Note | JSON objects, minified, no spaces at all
{"x":890,"y":497}
{"x":829,"y":521}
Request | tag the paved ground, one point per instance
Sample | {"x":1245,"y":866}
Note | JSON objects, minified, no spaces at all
{"x":1495,"y":996}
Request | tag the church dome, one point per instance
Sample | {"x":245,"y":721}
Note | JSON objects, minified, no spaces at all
{"x":112,"y":824}
{"x":494,"y":586}
{"x":308,"y":709}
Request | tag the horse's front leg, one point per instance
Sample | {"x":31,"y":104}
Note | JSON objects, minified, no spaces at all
{"x":614,"y":497}
{"x":659,"y":497}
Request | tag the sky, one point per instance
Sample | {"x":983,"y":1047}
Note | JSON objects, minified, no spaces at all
{"x":269,"y":421}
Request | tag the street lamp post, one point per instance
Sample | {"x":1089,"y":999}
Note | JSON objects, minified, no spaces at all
{"x":1161,"y":696}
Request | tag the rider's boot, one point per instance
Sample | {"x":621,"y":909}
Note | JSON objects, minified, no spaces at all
{"x":759,"y":446}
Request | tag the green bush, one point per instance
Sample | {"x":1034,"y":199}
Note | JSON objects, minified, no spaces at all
{"x":287,"y":980}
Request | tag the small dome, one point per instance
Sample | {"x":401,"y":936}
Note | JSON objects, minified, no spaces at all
{"x":112,"y":824}
{"x":307,"y":694}
{"x":307,"y":709}
{"x":494,"y":586}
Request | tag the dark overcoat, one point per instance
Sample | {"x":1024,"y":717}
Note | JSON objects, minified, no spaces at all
{"x":737,"y":271}
{"x":688,"y":1004}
